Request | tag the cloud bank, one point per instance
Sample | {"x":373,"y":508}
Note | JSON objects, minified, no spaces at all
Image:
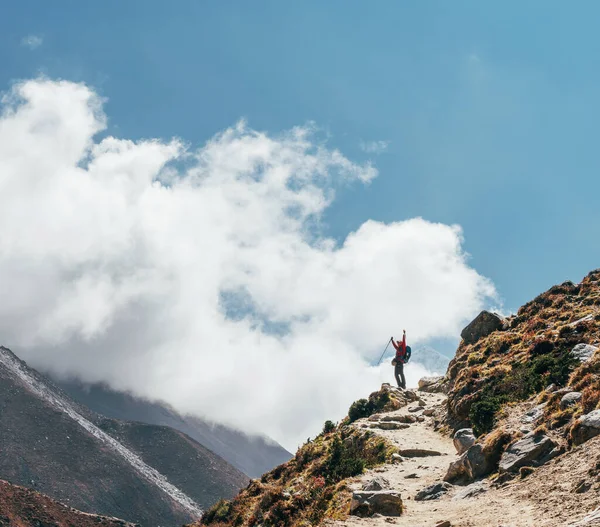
{"x":199,"y":276}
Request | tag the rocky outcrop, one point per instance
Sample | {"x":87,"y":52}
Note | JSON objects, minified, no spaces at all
{"x":584,"y":352}
{"x":463,"y":440}
{"x":433,"y":492}
{"x":484,"y":324}
{"x":384,"y":502}
{"x":532,"y":450}
{"x":586,"y":427}
{"x":437,"y":384}
{"x":570,"y":399}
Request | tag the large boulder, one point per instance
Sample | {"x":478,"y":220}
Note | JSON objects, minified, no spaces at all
{"x":367,"y":503}
{"x":484,"y":324}
{"x":570,"y":399}
{"x":475,"y":463}
{"x":584,"y":352}
{"x":433,"y":492}
{"x":531,"y":450}
{"x":586,"y":427}
{"x":433,"y":384}
{"x":463,"y":440}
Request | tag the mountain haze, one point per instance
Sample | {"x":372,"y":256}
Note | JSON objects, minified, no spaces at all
{"x":253,"y":455}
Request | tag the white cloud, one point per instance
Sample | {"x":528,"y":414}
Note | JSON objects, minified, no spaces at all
{"x":374,"y":147}
{"x":32,"y":41}
{"x":194,"y":276}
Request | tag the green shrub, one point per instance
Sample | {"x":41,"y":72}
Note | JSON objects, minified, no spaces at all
{"x":328,"y":427}
{"x":483,"y":413}
{"x":366,"y":407}
{"x":342,"y":462}
{"x":219,"y":512}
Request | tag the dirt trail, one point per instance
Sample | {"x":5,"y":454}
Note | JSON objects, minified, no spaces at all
{"x":491,"y":508}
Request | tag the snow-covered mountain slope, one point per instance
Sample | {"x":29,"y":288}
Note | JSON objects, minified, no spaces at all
{"x":61,"y":448}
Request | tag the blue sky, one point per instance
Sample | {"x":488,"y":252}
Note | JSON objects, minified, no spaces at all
{"x":489,"y":110}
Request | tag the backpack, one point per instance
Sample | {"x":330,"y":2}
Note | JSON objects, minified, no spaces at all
{"x":407,"y":354}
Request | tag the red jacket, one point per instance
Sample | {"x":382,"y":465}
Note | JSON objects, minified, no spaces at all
{"x":400,"y":348}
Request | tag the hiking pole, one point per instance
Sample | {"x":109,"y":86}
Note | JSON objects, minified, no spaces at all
{"x":386,"y":347}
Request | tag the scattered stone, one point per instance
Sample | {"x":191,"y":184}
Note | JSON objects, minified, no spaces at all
{"x":550,"y":388}
{"x":530,"y":450}
{"x":526,"y":471}
{"x":463,"y":440}
{"x":534,"y":415}
{"x":563,"y":391}
{"x":429,"y":412}
{"x":364,"y":425}
{"x":584,"y":352}
{"x":444,"y":523}
{"x":484,"y":324}
{"x":390,"y":425}
{"x":525,"y":431}
{"x":420,"y":418}
{"x":582,"y":486}
{"x":385,"y":502}
{"x":390,"y":520}
{"x":376,"y":417}
{"x":470,"y":491}
{"x":586,"y":427}
{"x":433,"y":492}
{"x":570,"y":399}
{"x":377,"y":483}
{"x":591,"y":519}
{"x":411,"y":476}
{"x":421,"y":403}
{"x":401,"y":418}
{"x":433,"y":384}
{"x":397,"y":458}
{"x":413,"y":409}
{"x":587,"y":318}
{"x":418,"y":452}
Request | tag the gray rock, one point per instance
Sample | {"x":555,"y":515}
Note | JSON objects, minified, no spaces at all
{"x":390,"y":425}
{"x":530,"y":450}
{"x":429,"y":412}
{"x":584,"y":352}
{"x":401,"y":418}
{"x":469,"y":491}
{"x":473,"y":464}
{"x":484,"y":324}
{"x":586,"y":427}
{"x":418,"y":452}
{"x":397,"y":458}
{"x":435,"y":384}
{"x":591,"y":519}
{"x":463,"y":440}
{"x":414,"y":409}
{"x":534,"y":415}
{"x":433,"y":492}
{"x":570,"y":399}
{"x":550,"y":388}
{"x":377,"y":483}
{"x":384,"y":502}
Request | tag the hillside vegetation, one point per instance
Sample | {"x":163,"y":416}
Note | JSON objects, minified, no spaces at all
{"x":313,"y":485}
{"x":531,"y":352}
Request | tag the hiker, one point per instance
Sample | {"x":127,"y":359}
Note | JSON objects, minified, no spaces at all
{"x":402,"y":356}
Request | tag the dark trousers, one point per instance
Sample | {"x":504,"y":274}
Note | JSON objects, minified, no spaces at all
{"x":399,"y":373}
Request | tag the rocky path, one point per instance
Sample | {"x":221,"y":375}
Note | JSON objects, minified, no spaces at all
{"x":426,"y":455}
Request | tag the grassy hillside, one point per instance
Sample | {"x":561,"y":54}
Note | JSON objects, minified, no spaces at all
{"x":313,"y":485}
{"x":531,"y":352}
